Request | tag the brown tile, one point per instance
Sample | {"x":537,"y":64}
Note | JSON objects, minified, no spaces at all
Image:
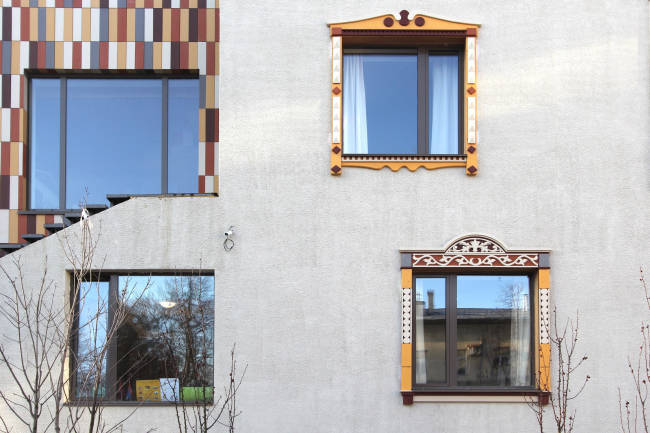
{"x":139,"y":55}
{"x":6,"y":24}
{"x":157,"y":25}
{"x":5,"y":190}
{"x":175,"y":26}
{"x":184,"y":55}
{"x":6,"y":91}
{"x":76,"y":55}
{"x":209,"y":159}
{"x":15,"y":124}
{"x":103,"y":55}
{"x":24,"y":24}
{"x":31,"y":223}
{"x":42,"y":46}
{"x":201,"y":191}
{"x":121,"y":25}
{"x":23,"y":226}
{"x":193,"y":25}
{"x":33,"y":54}
{"x":201,"y":25}
{"x":175,"y":57}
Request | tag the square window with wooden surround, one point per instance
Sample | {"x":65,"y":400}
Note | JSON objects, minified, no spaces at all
{"x":403,"y":93}
{"x":475,"y":322}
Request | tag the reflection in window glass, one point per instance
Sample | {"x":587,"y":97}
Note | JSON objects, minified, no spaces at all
{"x":380,"y":103}
{"x":44,"y":146}
{"x":183,"y":136}
{"x":443,"y":104}
{"x":114,"y":133}
{"x":494,"y":330}
{"x":430,"y":330}
{"x":91,"y":348}
{"x":167,"y":339}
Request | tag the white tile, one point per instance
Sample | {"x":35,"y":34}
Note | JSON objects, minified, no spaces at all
{"x":209,"y":184}
{"x":210,"y":4}
{"x":1,"y":12}
{"x":201,"y":58}
{"x":7,"y":3}
{"x":67,"y":55}
{"x":148,"y":25}
{"x":76,"y":24}
{"x":86,"y":4}
{"x":176,"y":4}
{"x":85,"y":55}
{"x":130,"y":55}
{"x":471,"y":78}
{"x":5,"y":134}
{"x":59,"y":24}
{"x":24,"y":56}
{"x":94,"y":25}
{"x":112,"y":4}
{"x":4,"y":226}
{"x":13,"y":192}
{"x":15,"y":24}
{"x":112,"y":55}
{"x":336,"y":119}
{"x":201,"y":158}
{"x":50,"y":3}
{"x":58,"y":219}
{"x":15,"y":91}
{"x":166,"y":55}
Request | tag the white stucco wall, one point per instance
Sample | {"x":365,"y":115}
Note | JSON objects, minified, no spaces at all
{"x":310,"y":292}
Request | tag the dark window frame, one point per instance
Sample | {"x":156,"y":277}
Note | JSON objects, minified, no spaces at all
{"x":423,"y":128}
{"x":111,"y":379}
{"x":63,"y":125}
{"x":451,"y":333}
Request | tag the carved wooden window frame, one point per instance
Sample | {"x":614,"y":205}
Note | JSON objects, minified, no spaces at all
{"x":406,"y":28}
{"x":463,"y":255}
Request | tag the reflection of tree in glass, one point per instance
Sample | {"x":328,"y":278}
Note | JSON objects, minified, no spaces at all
{"x":170,"y":333}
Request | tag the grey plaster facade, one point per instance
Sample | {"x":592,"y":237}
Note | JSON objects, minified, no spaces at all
{"x":311,"y":291}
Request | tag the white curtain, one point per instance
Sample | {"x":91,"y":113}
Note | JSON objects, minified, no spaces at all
{"x":444,"y":104}
{"x":520,"y":339}
{"x":355,"y":125}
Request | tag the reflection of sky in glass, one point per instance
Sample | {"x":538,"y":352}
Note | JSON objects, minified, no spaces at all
{"x":92,"y":335}
{"x":488,"y":291}
{"x":437,"y":286}
{"x":45,"y":150}
{"x":391,"y":103}
{"x":113,"y":138}
{"x":183,"y":136}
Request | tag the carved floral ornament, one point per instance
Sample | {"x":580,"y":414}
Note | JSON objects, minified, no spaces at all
{"x":476,"y":251}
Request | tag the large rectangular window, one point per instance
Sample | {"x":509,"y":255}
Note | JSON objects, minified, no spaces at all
{"x":112,"y":136}
{"x":402,"y":101}
{"x":473,"y":331}
{"x":145,"y":338}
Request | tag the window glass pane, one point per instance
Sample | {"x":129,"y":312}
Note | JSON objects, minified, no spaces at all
{"x":494,"y":331}
{"x":380,"y":103}
{"x":167,"y":339}
{"x":92,"y":349}
{"x":44,"y":144}
{"x":443,"y":104}
{"x":114,"y":133}
{"x":430,"y":330}
{"x":183,"y":136}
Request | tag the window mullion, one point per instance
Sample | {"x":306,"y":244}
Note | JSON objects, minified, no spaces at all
{"x":62,"y":140}
{"x":453,"y":332}
{"x":165,"y":130}
{"x":111,"y":355}
{"x":422,"y":101}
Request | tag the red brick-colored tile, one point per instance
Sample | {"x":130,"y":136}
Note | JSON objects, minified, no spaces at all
{"x":148,"y":4}
{"x":185,"y":55}
{"x":139,"y":55}
{"x":103,"y":55}
{"x":49,"y":219}
{"x":201,"y":185}
{"x":216,"y":27}
{"x":22,"y":99}
{"x":76,"y":3}
{"x":5,"y":167}
{"x":15,"y":124}
{"x":24,"y":24}
{"x":41,"y":54}
{"x":60,"y":3}
{"x":209,"y":159}
{"x":22,"y":227}
{"x":176,"y":25}
{"x":76,"y":55}
{"x":130,"y":4}
{"x":121,"y":25}
{"x":201,"y":25}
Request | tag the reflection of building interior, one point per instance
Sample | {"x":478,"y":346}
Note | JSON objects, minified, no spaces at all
{"x":487,"y":340}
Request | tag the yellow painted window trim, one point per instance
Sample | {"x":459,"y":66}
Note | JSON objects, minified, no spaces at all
{"x":396,"y":23}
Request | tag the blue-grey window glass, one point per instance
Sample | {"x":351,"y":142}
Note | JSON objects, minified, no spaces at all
{"x":380,"y":103}
{"x":430,"y":330}
{"x":493,"y":330}
{"x":183,"y":136}
{"x":44,"y":148}
{"x":91,"y":339}
{"x":168,"y":336}
{"x":443,"y":104}
{"x":114,"y":133}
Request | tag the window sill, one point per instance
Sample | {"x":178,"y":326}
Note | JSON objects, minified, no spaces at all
{"x":475,"y":396}
{"x":410,"y":162}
